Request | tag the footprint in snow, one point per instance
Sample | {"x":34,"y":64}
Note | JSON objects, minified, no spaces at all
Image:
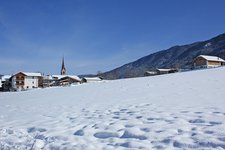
{"x":215,"y":123}
{"x":198,"y":112}
{"x":34,"y":129}
{"x":209,"y":132}
{"x":197,"y":121}
{"x":79,"y":133}
{"x":128,"y":134}
{"x":105,"y":135}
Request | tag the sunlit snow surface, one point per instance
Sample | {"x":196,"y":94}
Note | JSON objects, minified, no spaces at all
{"x":175,"y":111}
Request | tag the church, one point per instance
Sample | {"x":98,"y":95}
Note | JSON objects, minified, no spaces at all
{"x":63,"y":79}
{"x":63,"y":68}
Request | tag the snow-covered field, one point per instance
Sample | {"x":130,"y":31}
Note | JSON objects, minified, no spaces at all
{"x":175,"y":111}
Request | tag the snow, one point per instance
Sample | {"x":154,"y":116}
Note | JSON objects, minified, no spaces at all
{"x":164,"y":69}
{"x":32,"y":74}
{"x":208,"y":44}
{"x":6,"y":77}
{"x":92,"y":79}
{"x":173,"y":111}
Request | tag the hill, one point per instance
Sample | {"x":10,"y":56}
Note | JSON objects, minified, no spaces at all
{"x":174,"y":111}
{"x":177,"y":56}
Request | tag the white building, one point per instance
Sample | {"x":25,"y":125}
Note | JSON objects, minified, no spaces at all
{"x":25,"y":80}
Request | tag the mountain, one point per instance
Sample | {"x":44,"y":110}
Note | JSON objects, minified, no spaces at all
{"x":181,"y":56}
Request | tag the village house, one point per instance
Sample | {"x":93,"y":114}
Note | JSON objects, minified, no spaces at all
{"x":48,"y":81}
{"x":61,"y":80}
{"x":5,"y":83}
{"x":26,"y":80}
{"x":204,"y":61}
{"x":68,"y":80}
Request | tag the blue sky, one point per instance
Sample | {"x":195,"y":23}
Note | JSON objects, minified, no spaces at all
{"x":96,"y":35}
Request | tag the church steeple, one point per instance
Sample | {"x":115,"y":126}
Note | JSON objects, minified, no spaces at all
{"x":63,"y":69}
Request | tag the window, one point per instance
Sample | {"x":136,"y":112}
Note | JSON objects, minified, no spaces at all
{"x":19,"y":77}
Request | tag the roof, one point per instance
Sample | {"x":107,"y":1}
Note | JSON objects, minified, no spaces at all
{"x":5,"y":77}
{"x":70,"y":76}
{"x":58,"y":76}
{"x":74,"y":77}
{"x":212,"y":58}
{"x":164,"y":69}
{"x":33,"y":74}
{"x":150,"y":72}
{"x":92,"y":78}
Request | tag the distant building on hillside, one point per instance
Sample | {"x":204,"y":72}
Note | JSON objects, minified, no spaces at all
{"x":63,"y":68}
{"x":204,"y":61}
{"x":150,"y":73}
{"x":26,"y":80}
{"x":160,"y":71}
{"x":166,"y":71}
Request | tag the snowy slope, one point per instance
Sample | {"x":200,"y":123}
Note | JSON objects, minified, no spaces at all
{"x":175,"y":111}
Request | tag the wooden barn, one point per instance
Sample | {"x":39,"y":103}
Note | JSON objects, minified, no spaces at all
{"x":205,"y":61}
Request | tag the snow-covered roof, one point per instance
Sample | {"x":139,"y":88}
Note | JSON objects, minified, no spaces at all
{"x":58,"y":76}
{"x":6,"y":77}
{"x":212,"y":58}
{"x":32,"y":74}
{"x":163,"y":69}
{"x":49,"y":77}
{"x":92,"y":78}
{"x":62,"y":76}
{"x":74,"y":77}
{"x":150,"y":72}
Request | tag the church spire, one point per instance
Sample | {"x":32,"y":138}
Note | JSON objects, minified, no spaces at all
{"x":63,"y":69}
